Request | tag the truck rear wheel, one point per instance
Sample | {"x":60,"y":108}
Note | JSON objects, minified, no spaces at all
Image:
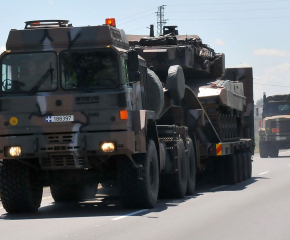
{"x":232,"y":169}
{"x":249,"y":160}
{"x":245,"y":166}
{"x":174,"y":185}
{"x":63,"y":192}
{"x":191,"y":162}
{"x":136,"y":193}
{"x":240,"y":167}
{"x":20,"y":187}
{"x":263,"y":147}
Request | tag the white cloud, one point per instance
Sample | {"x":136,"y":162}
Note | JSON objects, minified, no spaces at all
{"x":275,"y":80}
{"x":219,"y":42}
{"x":271,"y":52}
{"x":2,"y":49}
{"x":51,"y":2}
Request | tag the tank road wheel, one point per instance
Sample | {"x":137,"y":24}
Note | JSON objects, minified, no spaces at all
{"x":191,"y":167}
{"x":20,"y":187}
{"x":245,"y":166}
{"x":136,"y":193}
{"x":249,"y":160}
{"x":63,"y":192}
{"x":175,"y":185}
{"x":264,"y":152}
{"x":240,"y":167}
{"x":232,"y":169}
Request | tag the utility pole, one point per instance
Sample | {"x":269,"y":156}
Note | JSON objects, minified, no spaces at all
{"x":160,"y":20}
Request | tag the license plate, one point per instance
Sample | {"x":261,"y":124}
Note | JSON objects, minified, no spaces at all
{"x":66,"y":118}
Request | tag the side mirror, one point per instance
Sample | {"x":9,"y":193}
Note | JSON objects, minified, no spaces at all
{"x":133,"y":61}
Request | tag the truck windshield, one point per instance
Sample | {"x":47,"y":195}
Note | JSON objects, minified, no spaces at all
{"x":89,"y":70}
{"x":277,"y":108}
{"x":22,"y":72}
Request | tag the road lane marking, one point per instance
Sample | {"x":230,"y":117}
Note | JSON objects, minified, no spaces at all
{"x":218,"y":187}
{"x":129,"y":214}
{"x":263,"y":173}
{"x":46,"y":198}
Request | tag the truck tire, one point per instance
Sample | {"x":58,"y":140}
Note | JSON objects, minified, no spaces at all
{"x":240,"y":167}
{"x":155,"y":89}
{"x":20,"y":187}
{"x":175,"y":82}
{"x":136,"y":193}
{"x":220,"y":171}
{"x":249,"y":159}
{"x":191,"y":167}
{"x":263,"y":147}
{"x":174,"y":185}
{"x":245,"y":166}
{"x":63,"y":192}
{"x":232,"y":169}
{"x":273,"y":152}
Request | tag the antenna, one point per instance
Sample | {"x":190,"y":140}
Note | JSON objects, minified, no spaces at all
{"x":160,"y":20}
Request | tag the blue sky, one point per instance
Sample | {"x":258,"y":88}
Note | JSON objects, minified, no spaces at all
{"x":250,"y":32}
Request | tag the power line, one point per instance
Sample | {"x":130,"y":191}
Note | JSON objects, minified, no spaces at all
{"x":270,"y":85}
{"x":246,"y":10}
{"x":225,"y":19}
{"x":226,"y":3}
{"x":137,"y":14}
{"x":138,"y":18}
{"x":160,"y":20}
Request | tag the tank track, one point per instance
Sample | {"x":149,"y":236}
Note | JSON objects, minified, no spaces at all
{"x":226,"y":124}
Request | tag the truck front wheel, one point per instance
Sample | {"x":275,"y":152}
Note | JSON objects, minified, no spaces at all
{"x":264,"y":151}
{"x":20,"y":187}
{"x":138,"y":187}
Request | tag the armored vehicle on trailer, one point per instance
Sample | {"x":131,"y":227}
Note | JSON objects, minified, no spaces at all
{"x":220,"y":111}
{"x":275,"y":133}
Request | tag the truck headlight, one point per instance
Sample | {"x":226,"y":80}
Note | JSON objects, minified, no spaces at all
{"x":14,"y":151}
{"x":108,"y":147}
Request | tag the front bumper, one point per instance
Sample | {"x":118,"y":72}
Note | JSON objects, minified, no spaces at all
{"x":71,"y":149}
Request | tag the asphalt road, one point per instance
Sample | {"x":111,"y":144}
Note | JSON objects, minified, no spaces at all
{"x":254,"y":209}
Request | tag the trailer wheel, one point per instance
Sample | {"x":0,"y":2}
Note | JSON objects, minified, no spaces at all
{"x":191,"y":163}
{"x":62,"y":192}
{"x":20,"y":187}
{"x":245,"y":166}
{"x":263,"y":147}
{"x":175,"y":185}
{"x":220,"y":171}
{"x":136,"y":193}
{"x":240,"y":167}
{"x":232,"y":169}
{"x":249,"y":159}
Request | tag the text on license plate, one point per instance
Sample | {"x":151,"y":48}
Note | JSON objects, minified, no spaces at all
{"x":65,"y":118}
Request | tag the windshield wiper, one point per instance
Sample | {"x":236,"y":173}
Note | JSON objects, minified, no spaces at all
{"x":41,"y":81}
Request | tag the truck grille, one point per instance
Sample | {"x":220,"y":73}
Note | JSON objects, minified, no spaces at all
{"x":283,"y":125}
{"x":63,"y":161}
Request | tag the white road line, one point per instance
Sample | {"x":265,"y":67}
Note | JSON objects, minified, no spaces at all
{"x":46,"y":198}
{"x":218,"y":187}
{"x":263,"y":173}
{"x":129,"y":214}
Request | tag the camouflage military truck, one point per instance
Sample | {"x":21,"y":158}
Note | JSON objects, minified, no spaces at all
{"x":275,"y":133}
{"x":79,"y":108}
{"x":217,"y":110}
